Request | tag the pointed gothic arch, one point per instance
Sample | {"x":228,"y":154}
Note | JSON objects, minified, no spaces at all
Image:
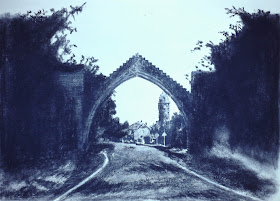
{"x":137,"y":66}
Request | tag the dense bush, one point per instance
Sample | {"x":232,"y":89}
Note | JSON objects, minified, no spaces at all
{"x":41,"y":117}
{"x":177,"y":135}
{"x":242,"y":92}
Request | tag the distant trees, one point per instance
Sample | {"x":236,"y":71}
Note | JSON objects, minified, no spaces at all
{"x":116,"y":130}
{"x":176,"y":131}
{"x":104,"y":124}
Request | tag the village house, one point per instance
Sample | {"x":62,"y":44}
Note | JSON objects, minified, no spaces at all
{"x":140,"y":133}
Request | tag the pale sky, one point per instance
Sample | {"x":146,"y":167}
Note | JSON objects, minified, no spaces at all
{"x":162,"y":31}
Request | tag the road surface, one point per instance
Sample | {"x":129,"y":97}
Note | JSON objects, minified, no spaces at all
{"x":137,"y":172}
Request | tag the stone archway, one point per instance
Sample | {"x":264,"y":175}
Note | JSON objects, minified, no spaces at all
{"x":137,"y":66}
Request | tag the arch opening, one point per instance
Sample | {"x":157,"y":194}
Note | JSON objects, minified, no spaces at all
{"x":137,"y":99}
{"x":137,"y":66}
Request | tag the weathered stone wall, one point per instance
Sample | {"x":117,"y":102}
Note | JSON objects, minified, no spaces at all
{"x":72,"y":85}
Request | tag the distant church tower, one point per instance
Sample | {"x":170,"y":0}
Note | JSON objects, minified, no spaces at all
{"x":163,"y":109}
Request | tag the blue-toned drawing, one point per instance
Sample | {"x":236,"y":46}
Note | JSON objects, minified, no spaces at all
{"x":182,"y":103}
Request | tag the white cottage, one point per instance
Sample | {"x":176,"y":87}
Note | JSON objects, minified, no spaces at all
{"x":141,"y":133}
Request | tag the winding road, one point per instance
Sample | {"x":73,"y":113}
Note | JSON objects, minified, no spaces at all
{"x":135,"y":172}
